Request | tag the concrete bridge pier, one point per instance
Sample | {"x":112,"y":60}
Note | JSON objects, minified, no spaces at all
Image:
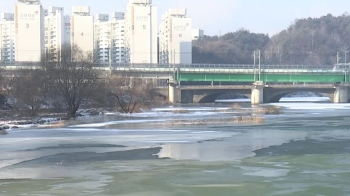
{"x":341,"y":94}
{"x":174,"y":93}
{"x":257,"y":96}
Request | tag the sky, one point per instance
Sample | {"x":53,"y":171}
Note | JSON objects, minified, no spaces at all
{"x":217,"y":17}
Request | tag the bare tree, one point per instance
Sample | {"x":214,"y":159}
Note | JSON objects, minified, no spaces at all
{"x":7,"y":84}
{"x":72,"y":78}
{"x":131,"y":94}
{"x":2,"y":87}
{"x":28,"y":90}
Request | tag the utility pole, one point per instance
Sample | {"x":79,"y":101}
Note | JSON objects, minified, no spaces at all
{"x":345,"y":52}
{"x":1,"y":58}
{"x":337,"y":57}
{"x":254,"y":58}
{"x":259,"y":66}
{"x":151,"y":34}
{"x":312,"y":42}
{"x":254,"y":68}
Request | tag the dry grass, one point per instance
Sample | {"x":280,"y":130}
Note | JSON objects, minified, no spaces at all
{"x":268,"y":110}
{"x":238,"y":120}
{"x":189,"y":122}
{"x":249,"y":119}
{"x":181,"y":111}
{"x":59,"y":123}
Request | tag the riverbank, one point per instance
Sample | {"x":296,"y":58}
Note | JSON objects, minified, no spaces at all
{"x":58,"y":119}
{"x":237,"y":115}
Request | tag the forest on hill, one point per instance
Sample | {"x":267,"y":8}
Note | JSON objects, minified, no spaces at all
{"x":310,"y":41}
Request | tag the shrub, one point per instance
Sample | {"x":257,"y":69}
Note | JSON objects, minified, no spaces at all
{"x":3,"y":132}
{"x":268,"y":110}
{"x":181,"y":111}
{"x":236,"y":106}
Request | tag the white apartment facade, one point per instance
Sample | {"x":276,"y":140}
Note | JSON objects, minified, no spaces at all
{"x":29,"y":31}
{"x":141,"y":29}
{"x":109,"y":38}
{"x":7,"y":38}
{"x":197,"y":34}
{"x":57,"y":32}
{"x":175,"y":38}
{"x":82,"y":28}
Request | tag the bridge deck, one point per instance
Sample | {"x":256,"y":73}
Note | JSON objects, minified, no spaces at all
{"x":232,"y":74}
{"x":277,"y":86}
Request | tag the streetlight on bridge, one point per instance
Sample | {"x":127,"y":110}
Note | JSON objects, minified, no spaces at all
{"x":259,"y":67}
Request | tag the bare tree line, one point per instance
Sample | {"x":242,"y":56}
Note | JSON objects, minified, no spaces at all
{"x":69,"y":82}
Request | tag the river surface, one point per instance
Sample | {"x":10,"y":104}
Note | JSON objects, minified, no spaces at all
{"x":304,"y":151}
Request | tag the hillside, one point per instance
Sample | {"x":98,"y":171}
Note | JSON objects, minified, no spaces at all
{"x":311,"y":41}
{"x":235,"y":48}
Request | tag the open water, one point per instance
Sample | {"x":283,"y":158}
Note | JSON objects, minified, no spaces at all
{"x":304,"y":151}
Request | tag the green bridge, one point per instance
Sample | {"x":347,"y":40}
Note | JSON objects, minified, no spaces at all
{"x":243,"y":73}
{"x":268,"y":74}
{"x":261,"y":86}
{"x":265,"y":77}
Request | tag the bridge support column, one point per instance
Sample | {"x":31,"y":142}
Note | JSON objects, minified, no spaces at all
{"x":173,"y":93}
{"x":131,"y":81}
{"x":341,"y":94}
{"x":257,"y":93}
{"x":155,"y":82}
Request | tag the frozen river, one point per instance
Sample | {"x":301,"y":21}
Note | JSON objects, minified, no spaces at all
{"x":304,"y":151}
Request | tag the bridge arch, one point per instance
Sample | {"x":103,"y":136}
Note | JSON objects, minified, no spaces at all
{"x":212,"y":97}
{"x":277,"y":96}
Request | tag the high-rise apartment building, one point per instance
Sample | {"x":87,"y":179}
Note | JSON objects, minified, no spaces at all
{"x":175,"y":38}
{"x":57,"y":31}
{"x":7,"y":38}
{"x":109,"y":38}
{"x":29,"y":30}
{"x":141,"y":32}
{"x":197,"y":34}
{"x":82,"y":28}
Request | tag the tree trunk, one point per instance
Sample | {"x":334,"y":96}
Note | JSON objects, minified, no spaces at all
{"x":72,"y":112}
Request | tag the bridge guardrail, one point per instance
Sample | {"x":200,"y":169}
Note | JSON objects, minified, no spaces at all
{"x":218,"y":68}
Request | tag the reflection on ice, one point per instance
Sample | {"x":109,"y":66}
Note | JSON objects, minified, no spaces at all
{"x":305,"y":99}
{"x":283,"y":99}
{"x":237,"y":147}
{"x":265,"y":172}
{"x":197,"y":109}
{"x":115,"y":123}
{"x":313,"y":106}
